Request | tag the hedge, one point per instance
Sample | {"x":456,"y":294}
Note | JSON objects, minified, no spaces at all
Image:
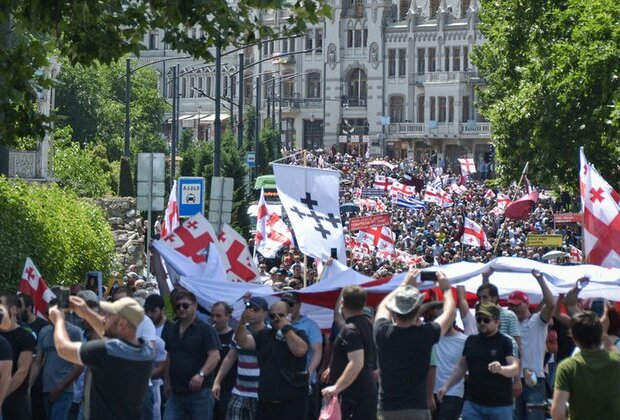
{"x":65,"y":236}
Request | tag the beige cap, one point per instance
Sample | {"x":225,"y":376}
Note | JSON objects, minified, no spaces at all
{"x":127,"y":308}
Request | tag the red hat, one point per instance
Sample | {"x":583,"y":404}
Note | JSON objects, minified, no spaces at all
{"x":517,"y":297}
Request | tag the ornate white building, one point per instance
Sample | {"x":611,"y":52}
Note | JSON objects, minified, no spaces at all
{"x":393,"y":75}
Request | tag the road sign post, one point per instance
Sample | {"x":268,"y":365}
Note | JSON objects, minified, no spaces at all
{"x":191,"y":196}
{"x":220,"y":201}
{"x":150,"y":192}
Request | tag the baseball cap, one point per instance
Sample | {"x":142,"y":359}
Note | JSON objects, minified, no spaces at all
{"x":517,"y":297}
{"x":488,"y":309}
{"x":290,"y":297}
{"x":127,"y":308}
{"x":89,"y":296}
{"x":259,"y":302}
{"x":406,"y":300}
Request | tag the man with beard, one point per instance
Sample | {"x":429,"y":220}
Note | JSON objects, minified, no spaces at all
{"x":490,"y":357}
{"x":110,"y":392}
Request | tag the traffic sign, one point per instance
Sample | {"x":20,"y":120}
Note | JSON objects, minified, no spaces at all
{"x":191,"y":195}
{"x":220,"y":201}
{"x":150,"y":185}
{"x":250,"y":158}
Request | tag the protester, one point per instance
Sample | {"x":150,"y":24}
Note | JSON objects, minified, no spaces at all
{"x":353,"y":359}
{"x":16,"y":404}
{"x":490,"y":361}
{"x":193,"y":354}
{"x":244,"y":397}
{"x":589,"y":382}
{"x":221,"y":313}
{"x":533,"y":338}
{"x":281,"y":353}
{"x":120,"y":364}
{"x":404,"y":345}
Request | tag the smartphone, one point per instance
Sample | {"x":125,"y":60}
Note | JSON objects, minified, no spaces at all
{"x":334,"y":253}
{"x":63,"y":298}
{"x":598,"y":306}
{"x":583,"y":282}
{"x":428,"y":276}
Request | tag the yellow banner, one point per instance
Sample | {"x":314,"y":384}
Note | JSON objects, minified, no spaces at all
{"x":554,"y":241}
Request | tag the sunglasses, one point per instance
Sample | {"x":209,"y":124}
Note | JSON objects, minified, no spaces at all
{"x":182,"y":305}
{"x":483,"y":319}
{"x":273,"y":316}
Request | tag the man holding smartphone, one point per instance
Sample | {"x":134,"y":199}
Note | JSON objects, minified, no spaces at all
{"x":281,"y":353}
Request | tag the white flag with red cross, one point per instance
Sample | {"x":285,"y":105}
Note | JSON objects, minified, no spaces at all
{"x":601,"y":217}
{"x":468,"y":166}
{"x":489,"y":194}
{"x":503,"y":200}
{"x":32,"y":283}
{"x":402,"y":189}
{"x":474,"y":235}
{"x":381,"y":238}
{"x":239,"y":264}
{"x":444,"y":198}
{"x":271,"y":232}
{"x":381,"y":181}
{"x":575,"y":254}
{"x":431,"y":195}
{"x":171,"y":216}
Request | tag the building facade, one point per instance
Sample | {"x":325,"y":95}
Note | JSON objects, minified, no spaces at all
{"x":392,"y":76}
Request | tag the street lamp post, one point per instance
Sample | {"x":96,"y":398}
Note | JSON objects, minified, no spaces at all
{"x":127,"y":100}
{"x":217,"y":123}
{"x":240,"y":111}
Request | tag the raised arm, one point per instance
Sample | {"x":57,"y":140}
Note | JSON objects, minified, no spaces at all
{"x":548,"y":300}
{"x":410,"y":279}
{"x":242,"y":336}
{"x":67,"y":349}
{"x":446,"y":318}
{"x":82,"y":310}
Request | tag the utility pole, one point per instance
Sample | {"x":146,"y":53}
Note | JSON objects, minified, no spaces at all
{"x":256,"y":126}
{"x":241,"y":83}
{"x":127,"y":98}
{"x":173,"y":153}
{"x":217,"y":123}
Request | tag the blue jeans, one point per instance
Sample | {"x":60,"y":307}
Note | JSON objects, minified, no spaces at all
{"x":532,"y":395}
{"x":473,"y":411}
{"x":59,"y":409}
{"x":195,"y":405}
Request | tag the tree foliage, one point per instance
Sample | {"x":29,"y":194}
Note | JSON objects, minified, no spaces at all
{"x":552,"y":70}
{"x":64,"y":236}
{"x":89,"y":31}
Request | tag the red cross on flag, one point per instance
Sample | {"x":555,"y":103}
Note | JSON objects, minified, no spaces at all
{"x":185,"y":249}
{"x":474,"y":235}
{"x":381,"y":238}
{"x":381,"y":181}
{"x":402,"y":189}
{"x":575,"y":254}
{"x":240,"y":265}
{"x":601,"y":216}
{"x":503,"y":200}
{"x":468,"y":166}
{"x":32,"y":283}
{"x":489,"y":194}
{"x":271,"y":232}
{"x":171,"y":216}
{"x":444,"y":198}
{"x":431,"y":195}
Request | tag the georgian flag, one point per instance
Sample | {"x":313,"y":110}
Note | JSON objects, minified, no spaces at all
{"x":444,"y":198}
{"x":271,"y":232}
{"x":601,"y":216}
{"x":238,"y":263}
{"x":474,"y":235}
{"x":489,"y":194}
{"x":381,"y":238}
{"x":32,"y":283}
{"x":402,"y":189}
{"x":503,"y":200}
{"x":468,"y":166}
{"x":431,"y":195}
{"x":381,"y":181}
{"x":171,"y":216}
{"x":408,"y":259}
{"x":310,"y":197}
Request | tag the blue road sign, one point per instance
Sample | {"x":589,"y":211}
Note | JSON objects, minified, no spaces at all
{"x":191,"y":196}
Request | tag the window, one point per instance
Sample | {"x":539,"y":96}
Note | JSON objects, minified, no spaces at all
{"x":232,"y":86}
{"x":309,"y":41}
{"x":442,"y":109}
{"x":433,"y":111}
{"x":358,"y":38}
{"x":200,"y":81}
{"x":265,"y":48}
{"x":465,"y":59}
{"x":365,"y":37}
{"x":153,"y":40}
{"x":191,"y":87}
{"x":421,"y":62}
{"x":446,"y":56}
{"x":314,"y":85}
{"x":421,"y":108}
{"x":456,"y":59}
{"x":391,"y":62}
{"x":184,"y":87}
{"x":350,"y":38}
{"x":402,"y":62}
{"x":284,"y":46}
{"x":291,"y":45}
{"x":397,"y":108}
{"x":319,"y":40}
{"x":466,"y":116}
{"x":432,"y":60}
{"x":404,"y":8}
{"x":225,"y":89}
{"x":450,"y":108}
{"x":208,"y":85}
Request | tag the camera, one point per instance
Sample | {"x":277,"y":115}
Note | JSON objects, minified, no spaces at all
{"x":63,"y":298}
{"x":428,"y":276}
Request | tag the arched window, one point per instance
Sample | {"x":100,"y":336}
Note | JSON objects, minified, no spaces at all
{"x":313,"y":85}
{"x":356,"y":87}
{"x":397,"y":109}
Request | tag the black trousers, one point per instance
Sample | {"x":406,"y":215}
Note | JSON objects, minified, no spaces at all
{"x":286,"y":410}
{"x":363,"y":408}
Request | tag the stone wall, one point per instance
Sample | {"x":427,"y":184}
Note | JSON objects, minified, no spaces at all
{"x":128,"y":231}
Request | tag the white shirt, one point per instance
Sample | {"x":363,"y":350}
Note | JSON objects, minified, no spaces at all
{"x":446,"y":356}
{"x":533,"y":343}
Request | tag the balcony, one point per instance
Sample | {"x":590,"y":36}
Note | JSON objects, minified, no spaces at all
{"x":449,"y":77}
{"x":433,"y":128}
{"x":406,"y":128}
{"x":353,"y":102}
{"x":291,"y":104}
{"x":473,"y":127}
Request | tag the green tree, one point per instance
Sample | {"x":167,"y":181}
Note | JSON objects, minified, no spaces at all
{"x":89,"y":31}
{"x":64,"y":236}
{"x":268,"y":148}
{"x":552,"y":76}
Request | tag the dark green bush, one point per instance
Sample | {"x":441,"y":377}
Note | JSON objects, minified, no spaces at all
{"x":64,"y":236}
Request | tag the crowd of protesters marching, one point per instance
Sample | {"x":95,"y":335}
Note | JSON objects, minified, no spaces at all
{"x":133,"y":354}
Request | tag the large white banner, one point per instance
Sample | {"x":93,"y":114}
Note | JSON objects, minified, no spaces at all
{"x":310,"y":198}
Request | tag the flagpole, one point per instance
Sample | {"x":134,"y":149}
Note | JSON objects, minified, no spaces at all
{"x":523,"y":172}
{"x":305,"y":152}
{"x":584,"y":256}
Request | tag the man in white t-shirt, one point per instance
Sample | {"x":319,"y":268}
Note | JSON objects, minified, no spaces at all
{"x":533,"y":344}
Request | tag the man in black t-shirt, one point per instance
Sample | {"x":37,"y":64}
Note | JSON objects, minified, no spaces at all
{"x":16,"y":404}
{"x":353,"y":360}
{"x":281,"y":353}
{"x":490,"y":357}
{"x":220,"y":313}
{"x":404,"y":346}
{"x":6,"y":365}
{"x":119,"y":366}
